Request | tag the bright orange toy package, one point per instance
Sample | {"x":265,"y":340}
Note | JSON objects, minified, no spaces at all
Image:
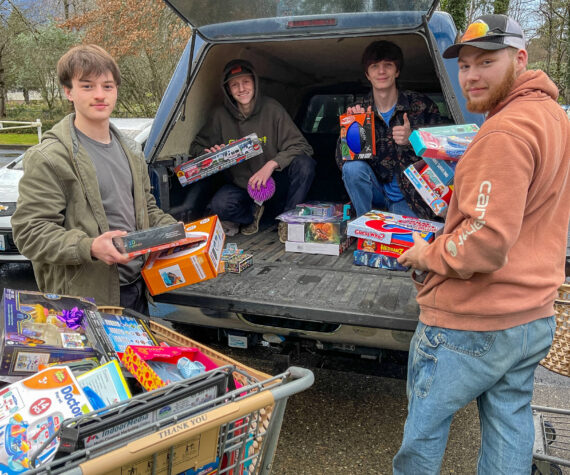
{"x":184,"y":265}
{"x":357,"y":137}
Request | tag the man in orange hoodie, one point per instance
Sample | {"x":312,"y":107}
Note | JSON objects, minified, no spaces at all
{"x":486,"y":286}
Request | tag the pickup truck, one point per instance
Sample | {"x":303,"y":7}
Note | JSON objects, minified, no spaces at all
{"x":307,"y":55}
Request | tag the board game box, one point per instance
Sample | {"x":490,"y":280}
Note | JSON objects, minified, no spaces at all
{"x":330,"y":249}
{"x":447,"y":142}
{"x":357,"y":137}
{"x":379,"y":248}
{"x":430,"y":188}
{"x":323,"y":232}
{"x":371,"y":259}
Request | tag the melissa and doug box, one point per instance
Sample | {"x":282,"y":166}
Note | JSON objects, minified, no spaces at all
{"x":152,"y":239}
{"x":41,"y":328}
{"x":429,"y":186}
{"x":213,"y":162}
{"x":184,"y":265}
{"x":31,"y":411}
{"x":357,"y":137}
{"x":447,"y":142}
{"x":393,"y":229}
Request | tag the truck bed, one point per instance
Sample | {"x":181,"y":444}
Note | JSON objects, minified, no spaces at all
{"x":305,"y":287}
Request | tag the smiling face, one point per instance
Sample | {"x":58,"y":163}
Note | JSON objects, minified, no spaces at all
{"x":382,"y":75}
{"x":242,"y":89}
{"x":93,"y":98}
{"x":487,"y":77}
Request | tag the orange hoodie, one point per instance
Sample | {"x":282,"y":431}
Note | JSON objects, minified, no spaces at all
{"x":501,"y":256}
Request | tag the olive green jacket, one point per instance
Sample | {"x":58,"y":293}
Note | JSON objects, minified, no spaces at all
{"x":60,"y":212}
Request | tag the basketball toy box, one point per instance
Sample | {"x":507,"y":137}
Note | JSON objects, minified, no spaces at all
{"x":213,"y":162}
{"x":432,"y":190}
{"x":393,"y":229}
{"x":188,"y":264}
{"x":357,"y":137}
{"x":39,"y":329}
{"x":32,"y":411}
{"x":447,"y":142}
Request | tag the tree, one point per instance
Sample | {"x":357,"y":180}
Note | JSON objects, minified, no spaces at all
{"x":144,"y":37}
{"x":458,"y":11}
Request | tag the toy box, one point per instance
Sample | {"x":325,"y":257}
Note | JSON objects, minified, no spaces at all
{"x":371,"y":259}
{"x":447,"y":142}
{"x":340,"y":213}
{"x":323,"y":232}
{"x":393,"y":229}
{"x":31,"y":411}
{"x":104,"y":385}
{"x":180,"y":266}
{"x":153,"y":239}
{"x":444,"y":169}
{"x":213,"y":162}
{"x":111,"y":333}
{"x":237,"y":263}
{"x":323,"y":208}
{"x":428,"y":185}
{"x":357,"y":137}
{"x":379,"y":248}
{"x":38,"y":328}
{"x":137,"y":358}
{"x":330,"y":249}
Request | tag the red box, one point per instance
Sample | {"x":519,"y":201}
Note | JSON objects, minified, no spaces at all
{"x":379,"y":248}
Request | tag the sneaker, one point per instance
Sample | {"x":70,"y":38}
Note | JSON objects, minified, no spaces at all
{"x":253,"y":227}
{"x":282,"y":231}
{"x":230,"y":228}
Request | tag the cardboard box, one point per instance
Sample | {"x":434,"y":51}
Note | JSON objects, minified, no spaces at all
{"x":32,"y":332}
{"x":213,"y":162}
{"x":327,"y":232}
{"x":180,"y":266}
{"x":430,"y":188}
{"x":371,"y":259}
{"x":136,"y":359}
{"x":330,"y":249}
{"x":367,"y":245}
{"x":153,"y":239}
{"x":32,"y":411}
{"x":447,"y":142}
{"x":323,"y":208}
{"x":357,"y":137}
{"x":237,"y":263}
{"x":394,"y":229}
{"x":444,"y":169}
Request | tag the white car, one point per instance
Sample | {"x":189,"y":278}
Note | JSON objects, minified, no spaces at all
{"x":10,"y":174}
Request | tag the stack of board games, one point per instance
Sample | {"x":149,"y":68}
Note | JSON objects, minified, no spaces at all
{"x":357,"y":137}
{"x":317,"y":228}
{"x":388,"y":234}
{"x":213,"y":162}
{"x":428,"y":184}
{"x":447,"y":142}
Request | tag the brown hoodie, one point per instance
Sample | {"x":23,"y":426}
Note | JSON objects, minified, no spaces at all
{"x":501,"y":257}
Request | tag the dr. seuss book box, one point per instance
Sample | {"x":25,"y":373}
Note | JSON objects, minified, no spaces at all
{"x":357,"y":137}
{"x":36,"y":330}
{"x":184,"y":265}
{"x":393,"y":229}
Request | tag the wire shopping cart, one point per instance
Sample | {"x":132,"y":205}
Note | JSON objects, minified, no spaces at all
{"x":552,"y":425}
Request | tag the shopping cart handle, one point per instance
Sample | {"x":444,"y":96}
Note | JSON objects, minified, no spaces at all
{"x":302,"y":378}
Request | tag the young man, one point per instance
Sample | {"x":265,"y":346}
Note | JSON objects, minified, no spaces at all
{"x":84,"y":184}
{"x":380,"y":182}
{"x":286,"y":154}
{"x":492,"y":277}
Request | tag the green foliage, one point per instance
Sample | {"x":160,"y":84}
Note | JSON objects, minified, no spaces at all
{"x":501,"y":7}
{"x":457,"y":9}
{"x":37,"y":110}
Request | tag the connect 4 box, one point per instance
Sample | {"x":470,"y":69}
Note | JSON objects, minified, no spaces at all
{"x":184,"y":265}
{"x":447,"y":142}
{"x":357,"y":138}
{"x":392,"y":229}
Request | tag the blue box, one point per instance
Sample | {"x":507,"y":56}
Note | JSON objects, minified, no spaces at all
{"x":444,"y":169}
{"x":371,"y":259}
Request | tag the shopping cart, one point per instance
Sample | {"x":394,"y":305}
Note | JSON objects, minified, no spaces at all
{"x":551,"y":425}
{"x":235,"y":433}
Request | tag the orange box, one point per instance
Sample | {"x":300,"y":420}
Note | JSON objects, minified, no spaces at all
{"x":184,"y":265}
{"x":357,"y":136}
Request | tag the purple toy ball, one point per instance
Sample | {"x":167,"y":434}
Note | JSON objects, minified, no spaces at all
{"x":264,"y":192}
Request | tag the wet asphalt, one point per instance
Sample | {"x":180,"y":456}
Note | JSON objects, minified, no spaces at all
{"x":351,"y":420}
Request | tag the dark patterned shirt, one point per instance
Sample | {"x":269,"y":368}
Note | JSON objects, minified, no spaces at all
{"x":392,"y":158}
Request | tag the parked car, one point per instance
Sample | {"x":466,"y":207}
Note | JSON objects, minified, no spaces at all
{"x":136,"y":128}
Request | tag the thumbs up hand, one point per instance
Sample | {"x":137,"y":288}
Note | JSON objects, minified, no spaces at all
{"x":401,"y":133}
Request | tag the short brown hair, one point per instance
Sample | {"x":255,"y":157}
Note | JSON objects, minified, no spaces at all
{"x":84,"y":61}
{"x":382,"y":51}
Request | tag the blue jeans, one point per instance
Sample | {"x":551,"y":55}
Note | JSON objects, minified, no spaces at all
{"x":367,"y":193}
{"x":449,"y":368}
{"x":232,"y":203}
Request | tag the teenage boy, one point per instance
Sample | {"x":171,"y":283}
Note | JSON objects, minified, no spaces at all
{"x":492,"y":276}
{"x":380,"y":182}
{"x":82,"y":185}
{"x":286,"y":153}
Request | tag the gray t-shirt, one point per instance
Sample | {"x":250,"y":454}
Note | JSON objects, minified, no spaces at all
{"x":116,"y":188}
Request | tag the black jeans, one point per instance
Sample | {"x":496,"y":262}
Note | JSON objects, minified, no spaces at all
{"x":232,"y":203}
{"x":133,"y":296}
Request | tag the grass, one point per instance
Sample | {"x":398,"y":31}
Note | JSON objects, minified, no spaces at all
{"x":18,"y":139}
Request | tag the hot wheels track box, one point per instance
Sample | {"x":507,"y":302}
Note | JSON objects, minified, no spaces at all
{"x":213,"y":162}
{"x":35,"y":331}
{"x":393,"y":229}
